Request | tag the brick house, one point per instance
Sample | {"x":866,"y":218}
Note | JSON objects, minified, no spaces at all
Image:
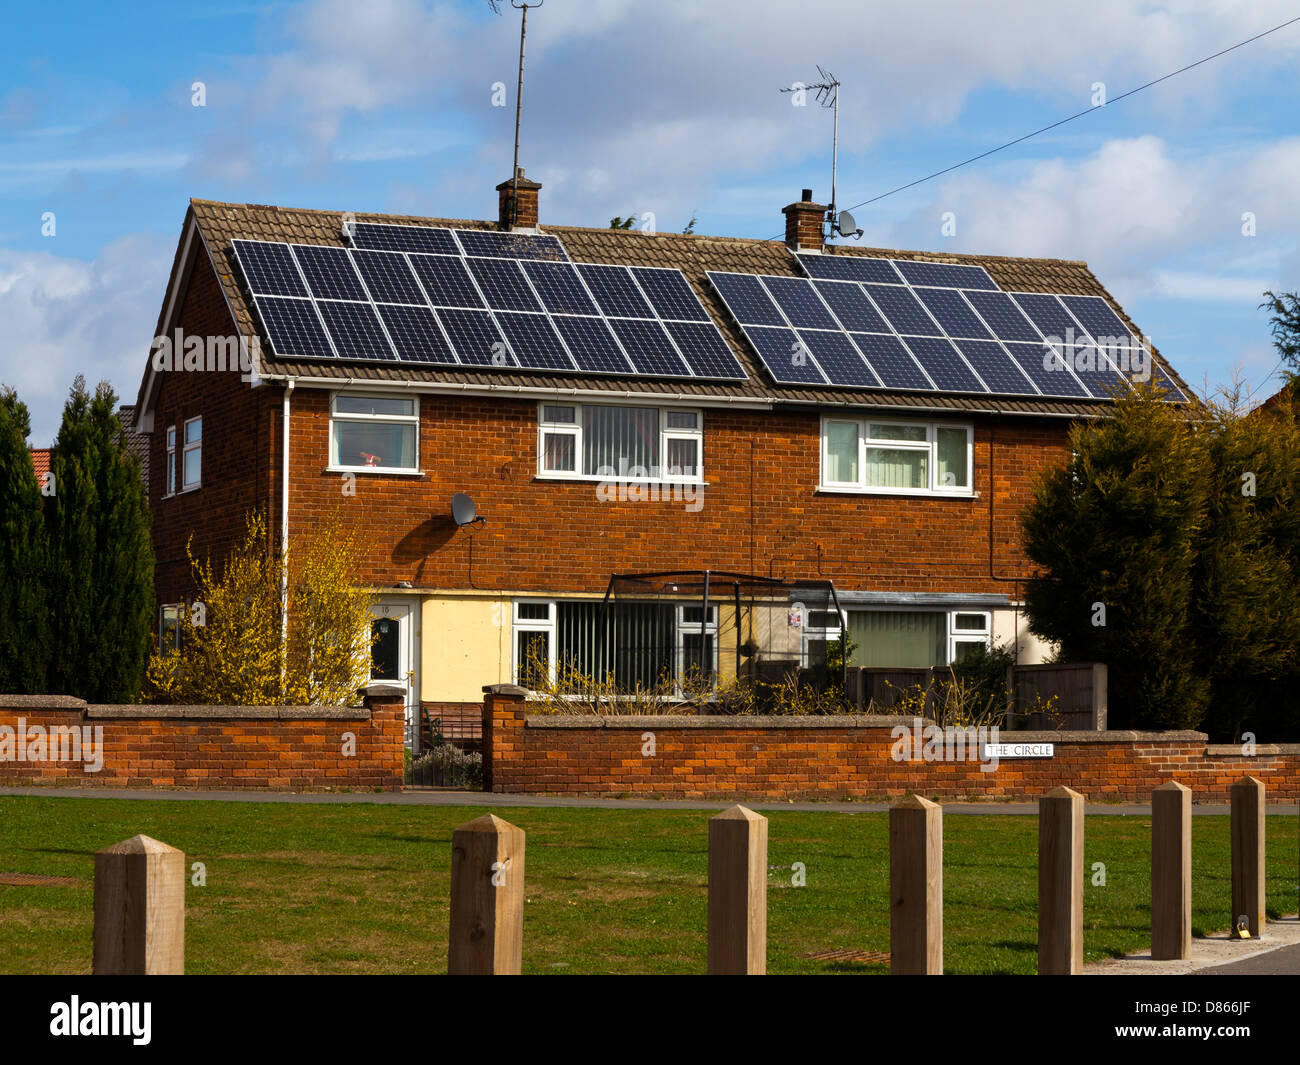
{"x":907,"y":498}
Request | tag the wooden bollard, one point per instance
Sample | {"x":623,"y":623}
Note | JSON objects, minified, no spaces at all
{"x":487,"y":899}
{"x":1060,"y":883}
{"x":738,"y":893}
{"x":1248,"y":854}
{"x":916,"y":888}
{"x":139,"y":909}
{"x":1171,"y":871}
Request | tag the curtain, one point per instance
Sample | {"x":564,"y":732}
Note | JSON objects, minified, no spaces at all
{"x":888,"y":638}
{"x":620,"y":439}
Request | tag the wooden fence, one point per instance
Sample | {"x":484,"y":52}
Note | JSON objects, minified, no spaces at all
{"x":1078,"y":689}
{"x":140,"y":889}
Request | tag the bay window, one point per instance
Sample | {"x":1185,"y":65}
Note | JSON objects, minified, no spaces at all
{"x":621,"y":443}
{"x":892,"y":457}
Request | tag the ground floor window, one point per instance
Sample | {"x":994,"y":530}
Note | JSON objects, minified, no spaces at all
{"x":636,"y":644}
{"x":911,"y":638}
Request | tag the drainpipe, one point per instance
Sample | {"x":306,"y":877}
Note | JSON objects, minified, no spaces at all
{"x":284,"y":525}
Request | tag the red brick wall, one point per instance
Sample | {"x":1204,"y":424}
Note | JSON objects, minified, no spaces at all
{"x":216,"y":747}
{"x":761,"y":510}
{"x":823,"y":759}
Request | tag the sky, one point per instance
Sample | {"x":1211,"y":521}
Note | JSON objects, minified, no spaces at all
{"x":1183,"y":198}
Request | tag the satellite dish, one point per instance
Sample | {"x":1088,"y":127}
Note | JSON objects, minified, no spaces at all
{"x":463,"y":510}
{"x":847,"y":225}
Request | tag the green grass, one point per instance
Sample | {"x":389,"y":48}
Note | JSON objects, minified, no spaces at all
{"x":362,"y":888}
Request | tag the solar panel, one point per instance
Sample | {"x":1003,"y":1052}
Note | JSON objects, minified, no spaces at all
{"x":746,"y":299}
{"x":592,"y":344}
{"x":839,"y":359}
{"x":953,"y":313}
{"x":704,"y":350}
{"x":850,"y":268}
{"x":1095,"y":315}
{"x":800,"y":303}
{"x":356,"y":330}
{"x":498,"y":245}
{"x":903,"y":311}
{"x":559,"y":287}
{"x":944,"y":365}
{"x":446,"y":281}
{"x":670,"y":294}
{"x":475,"y":338}
{"x":269,"y":269}
{"x":293,"y":328}
{"x":997,"y":369}
{"x":329,"y":272}
{"x":1003,"y":316}
{"x":415,"y":334}
{"x":851,"y":306}
{"x":945,"y":275}
{"x":786,"y":357}
{"x":1048,"y":313}
{"x":1165,"y":384}
{"x":534,"y":341}
{"x":388,"y":276}
{"x":503,"y":284}
{"x":1051,"y":379}
{"x":892,"y":362}
{"x":381,"y":236}
{"x":617,"y":296}
{"x":1093,"y":367}
{"x":649,"y":347}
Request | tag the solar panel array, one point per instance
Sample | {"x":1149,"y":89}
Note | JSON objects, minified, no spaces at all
{"x":861,"y":322}
{"x":479,"y":298}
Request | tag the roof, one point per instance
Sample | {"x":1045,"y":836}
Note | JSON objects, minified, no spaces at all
{"x":136,"y":443}
{"x":41,"y":460}
{"x":219,"y":223}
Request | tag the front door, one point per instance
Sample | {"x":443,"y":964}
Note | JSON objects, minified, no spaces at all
{"x":393,"y":657}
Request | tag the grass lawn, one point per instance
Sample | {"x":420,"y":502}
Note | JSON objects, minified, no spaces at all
{"x":362,"y":888}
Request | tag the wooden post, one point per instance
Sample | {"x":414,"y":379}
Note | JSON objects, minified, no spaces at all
{"x":1060,"y":883}
{"x":916,"y":888}
{"x":1171,"y":871}
{"x":738,"y":893}
{"x":139,"y":909}
{"x":487,"y":899}
{"x":1248,"y":853}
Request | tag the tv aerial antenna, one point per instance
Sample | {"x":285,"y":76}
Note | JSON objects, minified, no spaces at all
{"x":519,"y":95}
{"x":828,"y":95}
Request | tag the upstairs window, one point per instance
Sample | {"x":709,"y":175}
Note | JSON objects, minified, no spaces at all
{"x":620,"y":443}
{"x":171,"y":460}
{"x":192,"y":455}
{"x":374,"y":433}
{"x":888,"y":457}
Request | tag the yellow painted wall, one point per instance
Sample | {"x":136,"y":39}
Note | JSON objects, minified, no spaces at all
{"x":464,"y":644}
{"x":1008,"y":626}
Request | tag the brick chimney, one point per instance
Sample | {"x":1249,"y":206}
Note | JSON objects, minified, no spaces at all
{"x":803,"y":224}
{"x":526,"y":215}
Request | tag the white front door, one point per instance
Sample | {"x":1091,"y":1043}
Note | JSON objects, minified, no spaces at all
{"x":393,"y":655}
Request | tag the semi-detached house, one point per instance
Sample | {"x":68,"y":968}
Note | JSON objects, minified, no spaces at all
{"x":621,"y":402}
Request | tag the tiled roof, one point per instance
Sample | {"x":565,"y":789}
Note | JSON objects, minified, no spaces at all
{"x":220,"y":223}
{"x":136,"y":443}
{"x":41,"y":460}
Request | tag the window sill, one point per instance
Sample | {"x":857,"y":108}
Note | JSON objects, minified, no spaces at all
{"x":847,"y":490}
{"x":375,"y":470}
{"x":583,"y":478}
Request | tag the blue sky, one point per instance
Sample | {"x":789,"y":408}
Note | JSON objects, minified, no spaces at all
{"x":667,"y":107}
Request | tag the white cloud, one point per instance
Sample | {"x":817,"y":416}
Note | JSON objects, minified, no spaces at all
{"x":63,"y":317}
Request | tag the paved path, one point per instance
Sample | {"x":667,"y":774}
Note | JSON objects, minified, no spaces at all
{"x":452,"y":797}
{"x":1277,"y":951}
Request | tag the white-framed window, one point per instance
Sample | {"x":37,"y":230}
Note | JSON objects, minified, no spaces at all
{"x":821,"y":628}
{"x":599,"y":441}
{"x":888,"y":637}
{"x":696,"y":643}
{"x":892,"y":457}
{"x":534,"y":641}
{"x":171,"y":461}
{"x":169,"y":627}
{"x":192,"y":455}
{"x":374,"y":433}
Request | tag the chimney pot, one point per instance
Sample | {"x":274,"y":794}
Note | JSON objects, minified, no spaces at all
{"x":807,"y":196}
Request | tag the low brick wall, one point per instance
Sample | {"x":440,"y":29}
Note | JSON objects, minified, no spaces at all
{"x":710,"y":757}
{"x":56,"y":740}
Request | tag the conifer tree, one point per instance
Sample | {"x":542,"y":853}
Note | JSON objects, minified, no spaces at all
{"x":24,"y":629}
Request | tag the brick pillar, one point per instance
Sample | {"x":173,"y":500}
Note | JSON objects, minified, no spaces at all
{"x":386,"y":701}
{"x":503,"y":739}
{"x":803,"y":224}
{"x":526,"y":216}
